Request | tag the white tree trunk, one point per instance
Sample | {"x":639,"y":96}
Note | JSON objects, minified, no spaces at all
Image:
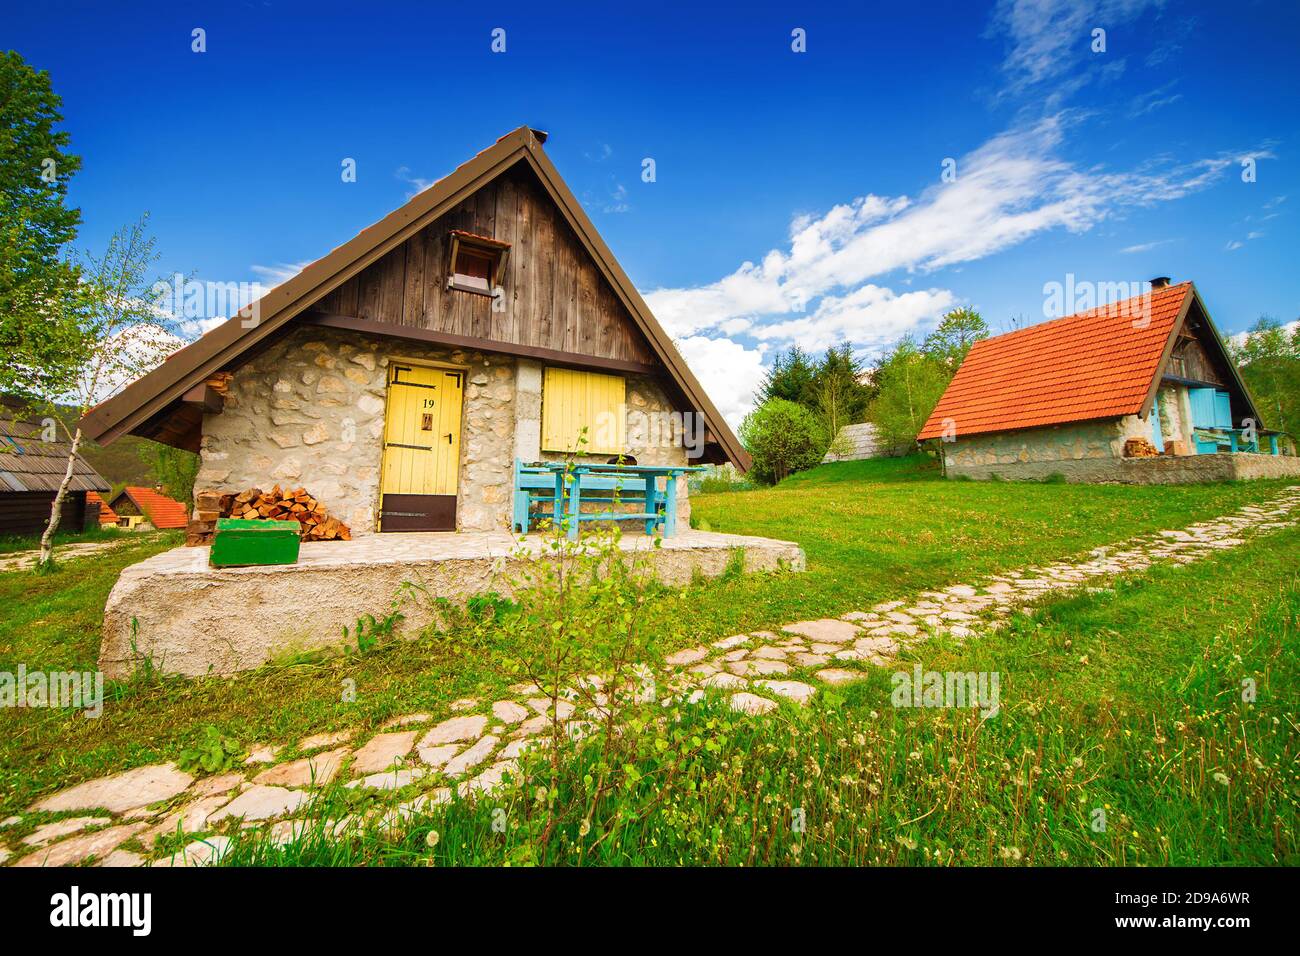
{"x":47,"y":539}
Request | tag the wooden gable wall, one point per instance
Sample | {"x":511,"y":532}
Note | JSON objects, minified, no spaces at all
{"x":556,"y":297}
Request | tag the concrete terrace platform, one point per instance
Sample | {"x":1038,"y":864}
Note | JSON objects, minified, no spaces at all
{"x":193,"y":619}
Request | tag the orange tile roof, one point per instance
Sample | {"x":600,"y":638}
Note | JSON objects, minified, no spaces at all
{"x":106,"y":514}
{"x":1091,"y":365}
{"x":161,"y":511}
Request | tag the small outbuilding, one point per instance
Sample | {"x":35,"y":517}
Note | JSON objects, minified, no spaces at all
{"x":1143,"y":391}
{"x":33,"y":461}
{"x":136,"y":505}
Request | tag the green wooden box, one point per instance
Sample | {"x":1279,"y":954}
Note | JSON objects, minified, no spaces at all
{"x":243,"y":541}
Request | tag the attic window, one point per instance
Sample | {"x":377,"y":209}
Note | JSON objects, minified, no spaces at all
{"x":477,"y":262}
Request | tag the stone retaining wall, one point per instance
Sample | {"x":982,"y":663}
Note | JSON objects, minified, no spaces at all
{"x":1093,"y":452}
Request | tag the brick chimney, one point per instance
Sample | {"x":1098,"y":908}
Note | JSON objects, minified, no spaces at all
{"x":1159,"y":282}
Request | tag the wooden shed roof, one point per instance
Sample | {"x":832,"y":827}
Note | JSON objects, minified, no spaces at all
{"x":157,"y":395}
{"x":29,"y":463}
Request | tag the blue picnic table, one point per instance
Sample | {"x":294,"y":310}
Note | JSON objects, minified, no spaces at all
{"x":561,"y":487}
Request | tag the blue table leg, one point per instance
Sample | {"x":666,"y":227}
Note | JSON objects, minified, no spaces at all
{"x":670,"y":507}
{"x":557,"y":506}
{"x":651,"y":504}
{"x":575,"y":506}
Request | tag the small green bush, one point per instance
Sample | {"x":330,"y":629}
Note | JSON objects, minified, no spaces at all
{"x":783,"y":438}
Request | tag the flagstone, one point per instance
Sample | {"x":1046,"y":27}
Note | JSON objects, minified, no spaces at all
{"x":389,"y":779}
{"x":382,"y":751}
{"x":516,"y":748}
{"x":794,"y":690}
{"x":730,"y":643}
{"x":122,"y":859}
{"x":751,"y":703}
{"x":470,"y":758}
{"x":810,"y":660}
{"x":78,"y":848}
{"x":532,"y":725}
{"x":837,"y":675}
{"x":437,"y":756}
{"x":316,"y":741}
{"x":211,"y":786}
{"x":191,"y":818}
{"x":199,"y":853}
{"x":262,"y":754}
{"x":827,"y":630}
{"x":771,"y":653}
{"x":60,"y":828}
{"x":261,"y":803}
{"x":490,"y":778}
{"x":508,"y":712}
{"x":455,"y":730}
{"x":724,"y":681}
{"x":690,"y":656}
{"x":120,"y":792}
{"x":469,"y":703}
{"x":316,"y":770}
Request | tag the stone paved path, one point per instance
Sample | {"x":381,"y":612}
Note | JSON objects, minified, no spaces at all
{"x":19,"y":560}
{"x":418,"y":761}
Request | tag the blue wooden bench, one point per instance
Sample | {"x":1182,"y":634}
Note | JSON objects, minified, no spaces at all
{"x":548,"y":491}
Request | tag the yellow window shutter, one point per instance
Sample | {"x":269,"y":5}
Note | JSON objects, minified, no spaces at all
{"x":574,"y":400}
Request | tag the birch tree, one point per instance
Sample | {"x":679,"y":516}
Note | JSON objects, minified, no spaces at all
{"x":122,"y":335}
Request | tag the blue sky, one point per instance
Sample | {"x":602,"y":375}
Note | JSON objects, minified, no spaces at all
{"x":798,"y":196}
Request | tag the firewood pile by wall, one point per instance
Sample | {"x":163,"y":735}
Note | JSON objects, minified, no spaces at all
{"x":1140,"y":448}
{"x":278,"y":504}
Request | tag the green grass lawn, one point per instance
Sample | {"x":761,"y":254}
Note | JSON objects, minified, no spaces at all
{"x":1161,"y":650}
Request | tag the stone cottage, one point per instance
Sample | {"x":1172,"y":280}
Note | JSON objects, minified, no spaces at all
{"x":1141,"y":390}
{"x":400,"y":377}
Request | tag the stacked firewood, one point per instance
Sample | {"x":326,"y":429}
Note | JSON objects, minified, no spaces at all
{"x":1140,"y":448}
{"x":278,"y":504}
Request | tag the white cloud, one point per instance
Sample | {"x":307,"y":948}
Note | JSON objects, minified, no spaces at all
{"x":1145,"y":246}
{"x":1010,"y":189}
{"x":1153,"y":100}
{"x":869,"y":316}
{"x":730,"y":373}
{"x":417,"y":183}
{"x":279,"y":273}
{"x":1050,"y":40}
{"x":824,"y":286}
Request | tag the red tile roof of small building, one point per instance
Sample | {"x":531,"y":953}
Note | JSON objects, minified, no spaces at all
{"x":1091,"y":365}
{"x":161,"y":511}
{"x":106,"y":514}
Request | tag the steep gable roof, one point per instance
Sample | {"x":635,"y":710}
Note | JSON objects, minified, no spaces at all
{"x":106,"y":514}
{"x":154,"y":394}
{"x":1103,"y":363}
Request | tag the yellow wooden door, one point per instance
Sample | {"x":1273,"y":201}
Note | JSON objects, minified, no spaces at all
{"x":422,"y":431}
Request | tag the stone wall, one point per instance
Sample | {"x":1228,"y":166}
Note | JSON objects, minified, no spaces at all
{"x":309,"y":411}
{"x":1093,"y":452}
{"x":1082,"y":452}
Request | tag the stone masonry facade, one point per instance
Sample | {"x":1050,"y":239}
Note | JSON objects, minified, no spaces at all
{"x":1094,"y":452}
{"x":309,"y":412}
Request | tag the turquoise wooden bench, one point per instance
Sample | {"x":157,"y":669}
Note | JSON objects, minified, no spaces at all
{"x":540,"y":492}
